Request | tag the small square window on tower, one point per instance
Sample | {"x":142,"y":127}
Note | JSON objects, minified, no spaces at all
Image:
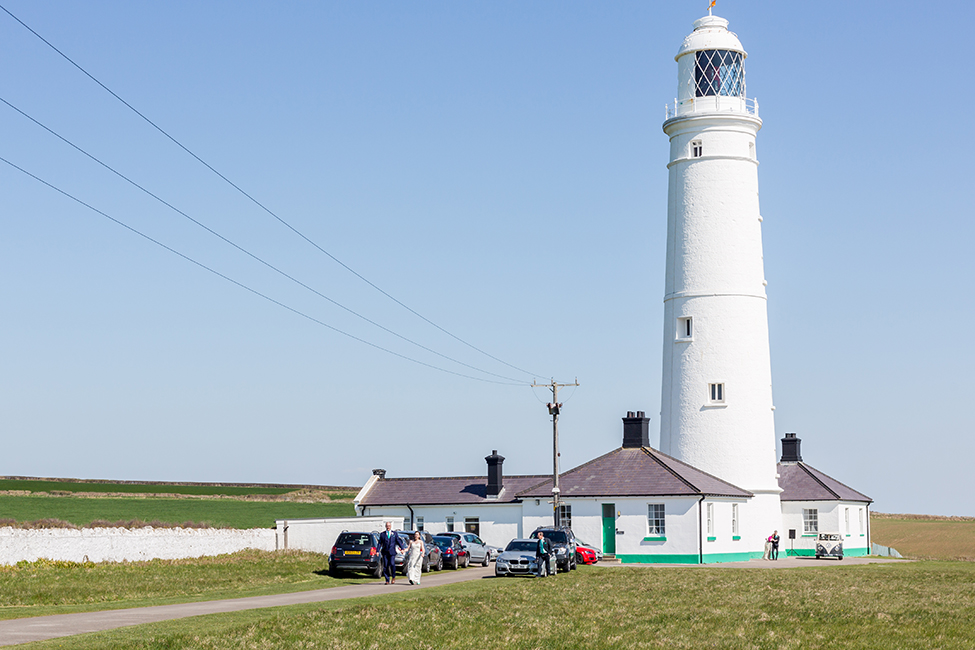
{"x":716,"y":393}
{"x":697,"y":149}
{"x":685,"y":328}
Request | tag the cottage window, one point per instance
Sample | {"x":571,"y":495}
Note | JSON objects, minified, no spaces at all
{"x":419,"y":522}
{"x":655,"y":519}
{"x":810,"y":521}
{"x":472,"y":525}
{"x":450,"y":524}
{"x":846,"y":517}
{"x":734,"y":518}
{"x":565,"y":515}
{"x":710,"y":519}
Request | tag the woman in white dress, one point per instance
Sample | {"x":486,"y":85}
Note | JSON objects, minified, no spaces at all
{"x":414,"y":559}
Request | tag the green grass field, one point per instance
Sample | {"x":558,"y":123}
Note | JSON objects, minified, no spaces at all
{"x":225,"y":513}
{"x":923,"y":605}
{"x":135,"y":488}
{"x":926,"y":538}
{"x":47,"y":587}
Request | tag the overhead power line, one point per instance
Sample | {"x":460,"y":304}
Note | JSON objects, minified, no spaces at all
{"x":244,"y":250}
{"x":244,"y":286}
{"x":259,"y":204}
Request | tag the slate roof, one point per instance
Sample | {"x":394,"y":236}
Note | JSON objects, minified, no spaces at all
{"x":638,"y":471}
{"x":800,"y":482}
{"x":443,"y":491}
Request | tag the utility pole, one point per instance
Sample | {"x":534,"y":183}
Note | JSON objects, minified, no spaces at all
{"x":553,"y":409}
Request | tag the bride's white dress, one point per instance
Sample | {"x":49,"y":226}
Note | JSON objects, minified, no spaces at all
{"x":414,"y":561}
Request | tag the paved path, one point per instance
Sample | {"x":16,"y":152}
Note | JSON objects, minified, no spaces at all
{"x":39,"y":628}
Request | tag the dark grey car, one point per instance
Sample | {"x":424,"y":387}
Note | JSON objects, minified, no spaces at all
{"x":479,"y":552}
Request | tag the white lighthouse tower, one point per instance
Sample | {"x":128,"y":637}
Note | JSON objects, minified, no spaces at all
{"x":716,"y":407}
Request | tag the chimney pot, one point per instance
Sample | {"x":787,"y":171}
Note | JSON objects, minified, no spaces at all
{"x":381,"y":473}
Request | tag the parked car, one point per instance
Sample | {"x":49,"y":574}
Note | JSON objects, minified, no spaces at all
{"x":829,"y":545}
{"x":585,"y":555}
{"x":563,"y":545}
{"x":494,"y":552}
{"x":356,"y":551}
{"x":518,"y":559}
{"x":479,"y":551}
{"x":453,"y":553}
{"x":432,"y":559}
{"x":599,"y":553}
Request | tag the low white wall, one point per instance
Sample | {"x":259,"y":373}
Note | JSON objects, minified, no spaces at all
{"x":319,"y":535}
{"x":120,"y":544}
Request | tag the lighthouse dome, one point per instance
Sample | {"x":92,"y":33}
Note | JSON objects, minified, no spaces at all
{"x":710,"y":33}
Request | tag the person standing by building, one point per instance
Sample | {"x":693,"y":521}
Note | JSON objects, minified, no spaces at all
{"x":775,"y":544}
{"x":767,"y":555}
{"x":414,"y":558}
{"x":389,"y":541}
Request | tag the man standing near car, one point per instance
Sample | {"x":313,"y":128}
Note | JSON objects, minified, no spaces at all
{"x":389,"y":541}
{"x":542,"y":555}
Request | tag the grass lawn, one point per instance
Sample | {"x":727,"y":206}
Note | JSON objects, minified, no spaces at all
{"x":229,"y":513}
{"x":46,"y":587}
{"x":900,"y":605}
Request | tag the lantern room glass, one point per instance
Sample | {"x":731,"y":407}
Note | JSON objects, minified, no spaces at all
{"x":719,"y":72}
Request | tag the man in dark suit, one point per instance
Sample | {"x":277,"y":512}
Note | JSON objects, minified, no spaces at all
{"x":389,"y":541}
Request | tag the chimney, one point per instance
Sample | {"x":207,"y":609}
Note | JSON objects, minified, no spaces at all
{"x":636,"y":430}
{"x":381,"y":473}
{"x":495,"y":482}
{"x":790,"y":449}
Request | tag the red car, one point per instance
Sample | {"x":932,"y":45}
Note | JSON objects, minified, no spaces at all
{"x":585,"y":555}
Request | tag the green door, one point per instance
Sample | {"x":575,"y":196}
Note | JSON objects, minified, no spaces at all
{"x":609,"y":528}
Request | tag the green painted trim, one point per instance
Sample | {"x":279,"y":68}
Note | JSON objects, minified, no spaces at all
{"x":735,"y":538}
{"x":659,"y":559}
{"x":717,"y":558}
{"x":712,"y":539}
{"x":660,"y":538}
{"x":813,"y":535}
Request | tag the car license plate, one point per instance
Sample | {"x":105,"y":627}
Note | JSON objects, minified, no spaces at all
{"x":353,"y":552}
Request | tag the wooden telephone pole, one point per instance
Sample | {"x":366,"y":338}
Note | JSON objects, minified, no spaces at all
{"x":553,"y":409}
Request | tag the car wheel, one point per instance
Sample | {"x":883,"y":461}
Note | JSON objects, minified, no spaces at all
{"x":467,"y":561}
{"x":487,"y":560}
{"x":378,"y":571}
{"x":439,"y":565}
{"x":333,"y":571}
{"x":425,"y":567}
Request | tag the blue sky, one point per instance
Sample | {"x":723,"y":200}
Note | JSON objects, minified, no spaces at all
{"x":500,"y":168}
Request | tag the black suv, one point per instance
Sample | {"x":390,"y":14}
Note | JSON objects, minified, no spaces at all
{"x":355,"y":552}
{"x":563,"y":545}
{"x":432,"y":559}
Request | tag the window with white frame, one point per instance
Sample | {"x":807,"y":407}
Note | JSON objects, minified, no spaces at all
{"x":710,"y":520}
{"x":697,"y":149}
{"x":419,"y":522}
{"x":565,"y":515}
{"x":810,"y":521}
{"x":655,"y":519}
{"x":846,"y":517}
{"x":716,"y":393}
{"x":407,"y":523}
{"x":734,"y":518}
{"x":861,"y":520}
{"x":450,"y":524}
{"x":685,"y":328}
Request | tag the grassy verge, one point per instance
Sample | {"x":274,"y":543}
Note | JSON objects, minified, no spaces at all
{"x":903,"y":605}
{"x":32,"y":485}
{"x":229,"y":513}
{"x":46,"y":587}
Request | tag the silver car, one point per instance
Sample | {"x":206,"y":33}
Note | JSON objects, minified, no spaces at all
{"x":518,"y":559}
{"x":479,"y":552}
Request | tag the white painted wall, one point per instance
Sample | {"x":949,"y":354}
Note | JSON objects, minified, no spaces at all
{"x":319,"y":535}
{"x":831,"y":520}
{"x":499,"y":522}
{"x":123,"y":544}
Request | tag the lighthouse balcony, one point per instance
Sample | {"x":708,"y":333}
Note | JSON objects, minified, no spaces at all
{"x":712,"y":104}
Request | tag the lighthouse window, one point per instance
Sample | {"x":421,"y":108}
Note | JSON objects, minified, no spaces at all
{"x":684,"y":329}
{"x":717,"y":393}
{"x":697,"y":149}
{"x":719,"y":72}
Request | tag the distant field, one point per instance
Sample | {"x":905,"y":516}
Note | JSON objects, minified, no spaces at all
{"x":226,"y":513}
{"x":926,"y":538}
{"x":41,"y":485}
